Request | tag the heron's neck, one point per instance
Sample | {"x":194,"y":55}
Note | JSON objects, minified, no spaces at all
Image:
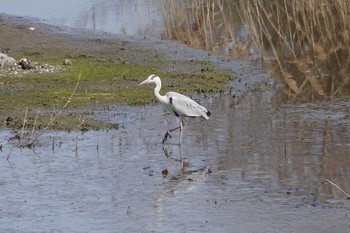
{"x":159,"y":97}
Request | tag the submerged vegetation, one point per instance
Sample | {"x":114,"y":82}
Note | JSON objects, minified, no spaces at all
{"x":309,"y":40}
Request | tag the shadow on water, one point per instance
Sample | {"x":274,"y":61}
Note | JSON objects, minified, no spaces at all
{"x":268,"y":164}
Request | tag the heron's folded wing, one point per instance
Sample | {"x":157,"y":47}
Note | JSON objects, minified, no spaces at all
{"x":185,"y":106}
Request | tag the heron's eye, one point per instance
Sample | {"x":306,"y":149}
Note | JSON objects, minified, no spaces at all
{"x":153,"y":76}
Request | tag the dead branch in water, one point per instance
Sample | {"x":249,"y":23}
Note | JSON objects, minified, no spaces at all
{"x":335,"y":185}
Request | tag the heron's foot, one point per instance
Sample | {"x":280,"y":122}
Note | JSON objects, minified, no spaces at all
{"x":182,"y":163}
{"x":167,"y":134}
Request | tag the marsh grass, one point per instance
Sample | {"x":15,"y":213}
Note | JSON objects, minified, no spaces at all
{"x":309,"y":40}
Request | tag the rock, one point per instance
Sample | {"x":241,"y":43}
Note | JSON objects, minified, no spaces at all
{"x":165,"y":172}
{"x":67,"y":62}
{"x":9,"y":120}
{"x":5,"y":60}
{"x":27,"y":64}
{"x":26,"y":67}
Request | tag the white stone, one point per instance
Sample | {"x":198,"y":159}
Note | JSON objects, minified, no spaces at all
{"x":5,"y":60}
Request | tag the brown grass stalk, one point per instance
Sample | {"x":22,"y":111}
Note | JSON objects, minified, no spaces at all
{"x":23,"y":126}
{"x":341,"y":190}
{"x":34,"y":125}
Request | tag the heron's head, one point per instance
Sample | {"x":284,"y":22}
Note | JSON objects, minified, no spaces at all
{"x":151,"y":79}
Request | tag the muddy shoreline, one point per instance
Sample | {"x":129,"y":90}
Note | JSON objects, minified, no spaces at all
{"x":200,"y":72}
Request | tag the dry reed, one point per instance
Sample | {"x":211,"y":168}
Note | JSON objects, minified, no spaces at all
{"x":309,"y":39}
{"x":196,"y":22}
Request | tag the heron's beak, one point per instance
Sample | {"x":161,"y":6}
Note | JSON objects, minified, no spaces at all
{"x":142,"y":83}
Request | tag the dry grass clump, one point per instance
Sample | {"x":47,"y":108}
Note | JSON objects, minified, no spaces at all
{"x":309,"y":40}
{"x":197,"y":22}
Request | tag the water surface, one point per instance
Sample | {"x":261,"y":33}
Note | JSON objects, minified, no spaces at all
{"x":130,"y":17}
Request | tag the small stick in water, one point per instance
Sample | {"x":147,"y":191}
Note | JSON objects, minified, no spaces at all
{"x":335,"y":185}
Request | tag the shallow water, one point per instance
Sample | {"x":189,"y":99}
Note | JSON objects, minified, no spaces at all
{"x":268,"y":162}
{"x":130,"y":17}
{"x":268,"y":167}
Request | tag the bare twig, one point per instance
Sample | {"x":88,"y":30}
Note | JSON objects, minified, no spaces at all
{"x":79,"y":124}
{"x":23,"y":126}
{"x":34,"y":124}
{"x":335,"y":185}
{"x":8,"y":156}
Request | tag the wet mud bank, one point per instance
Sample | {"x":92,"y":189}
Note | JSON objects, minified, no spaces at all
{"x":110,"y":66}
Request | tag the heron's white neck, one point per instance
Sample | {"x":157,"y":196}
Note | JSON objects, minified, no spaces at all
{"x":158,"y":96}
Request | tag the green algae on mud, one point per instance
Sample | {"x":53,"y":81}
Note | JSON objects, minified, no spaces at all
{"x":103,"y":82}
{"x":100,"y":81}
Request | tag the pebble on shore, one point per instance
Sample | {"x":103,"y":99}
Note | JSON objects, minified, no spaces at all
{"x":10,"y":68}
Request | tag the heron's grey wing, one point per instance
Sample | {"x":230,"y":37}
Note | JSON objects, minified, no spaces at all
{"x":185,"y":106}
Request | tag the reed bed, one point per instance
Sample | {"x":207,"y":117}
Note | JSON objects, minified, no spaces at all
{"x":197,"y":22}
{"x":308,"y":39}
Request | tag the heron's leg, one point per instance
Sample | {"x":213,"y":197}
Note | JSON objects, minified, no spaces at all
{"x":180,"y":141}
{"x":181,"y":160}
{"x":181,"y":130}
{"x":167,"y":134}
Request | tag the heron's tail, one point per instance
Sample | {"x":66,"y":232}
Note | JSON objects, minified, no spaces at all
{"x":208,"y":113}
{"x":203,"y":112}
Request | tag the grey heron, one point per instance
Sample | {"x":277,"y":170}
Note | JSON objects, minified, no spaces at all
{"x":178,"y":104}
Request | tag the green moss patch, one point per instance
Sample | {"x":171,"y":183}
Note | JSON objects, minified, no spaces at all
{"x":109,"y":71}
